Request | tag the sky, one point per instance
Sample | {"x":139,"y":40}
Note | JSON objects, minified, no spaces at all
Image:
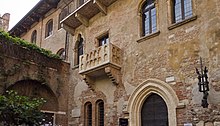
{"x":17,"y":9}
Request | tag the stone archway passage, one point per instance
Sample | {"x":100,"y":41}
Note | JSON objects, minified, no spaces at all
{"x":33,"y":88}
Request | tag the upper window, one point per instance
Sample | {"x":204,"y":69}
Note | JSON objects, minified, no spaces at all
{"x":79,"y":48}
{"x":103,"y":40}
{"x":88,"y":114}
{"x":62,"y":15}
{"x":34,"y":37}
{"x":149,"y":17}
{"x":182,"y":9}
{"x":100,"y":113}
{"x":61,"y":53}
{"x":49,"y":28}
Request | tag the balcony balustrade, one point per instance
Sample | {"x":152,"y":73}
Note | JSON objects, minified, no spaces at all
{"x":104,"y":60}
{"x":80,"y":11}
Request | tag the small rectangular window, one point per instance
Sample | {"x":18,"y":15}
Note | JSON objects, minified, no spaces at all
{"x":103,"y":40}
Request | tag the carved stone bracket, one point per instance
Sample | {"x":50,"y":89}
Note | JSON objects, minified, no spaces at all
{"x":89,"y":81}
{"x":82,"y":19}
{"x":101,"y":6}
{"x":114,"y":75}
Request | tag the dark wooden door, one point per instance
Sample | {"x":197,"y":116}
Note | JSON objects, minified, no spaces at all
{"x":154,"y":112}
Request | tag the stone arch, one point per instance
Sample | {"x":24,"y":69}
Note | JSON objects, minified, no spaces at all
{"x":34,"y":88}
{"x":143,"y":91}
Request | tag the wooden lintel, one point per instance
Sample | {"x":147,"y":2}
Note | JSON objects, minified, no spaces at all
{"x":101,"y":6}
{"x":82,"y":19}
{"x":69,"y":29}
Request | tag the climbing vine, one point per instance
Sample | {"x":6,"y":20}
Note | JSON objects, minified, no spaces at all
{"x":27,"y":45}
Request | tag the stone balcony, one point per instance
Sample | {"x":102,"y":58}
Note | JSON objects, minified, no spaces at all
{"x":80,"y":14}
{"x":104,"y":60}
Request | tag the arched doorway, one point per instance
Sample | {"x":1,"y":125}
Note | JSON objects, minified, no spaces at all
{"x":144,"y":94}
{"x":35,"y":89}
{"x":154,"y":111}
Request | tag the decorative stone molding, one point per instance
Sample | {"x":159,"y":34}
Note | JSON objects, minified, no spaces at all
{"x":103,"y":60}
{"x":144,"y":90}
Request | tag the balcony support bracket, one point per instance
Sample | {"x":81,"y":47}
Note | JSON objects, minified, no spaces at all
{"x":101,"y":6}
{"x":82,"y":19}
{"x":69,"y":29}
{"x":89,"y":81}
{"x":114,"y":75}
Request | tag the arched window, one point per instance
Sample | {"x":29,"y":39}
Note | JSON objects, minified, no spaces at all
{"x":79,"y":48}
{"x":61,"y":53}
{"x":62,"y":15}
{"x":149,"y":17}
{"x":34,"y":37}
{"x":182,"y":9}
{"x":100,"y":113}
{"x":154,"y":111}
{"x":88,"y":114}
{"x":49,"y":28}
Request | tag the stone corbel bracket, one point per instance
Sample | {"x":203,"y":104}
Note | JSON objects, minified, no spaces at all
{"x":113,"y":74}
{"x":89,"y":81}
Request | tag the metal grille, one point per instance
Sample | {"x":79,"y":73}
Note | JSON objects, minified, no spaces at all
{"x":88,"y":114}
{"x":101,"y":113}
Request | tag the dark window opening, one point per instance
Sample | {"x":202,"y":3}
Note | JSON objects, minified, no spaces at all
{"x":103,"y":40}
{"x":100,"y":113}
{"x":79,"y":48}
{"x":49,"y":28}
{"x":34,"y":37}
{"x":88,"y":114}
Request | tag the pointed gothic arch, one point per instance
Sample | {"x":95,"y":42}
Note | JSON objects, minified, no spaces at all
{"x":141,"y":93}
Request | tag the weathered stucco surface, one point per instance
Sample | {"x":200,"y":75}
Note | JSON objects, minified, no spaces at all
{"x":169,"y":57}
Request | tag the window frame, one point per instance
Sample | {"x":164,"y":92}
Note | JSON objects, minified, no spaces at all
{"x":61,"y":52}
{"x":103,"y":40}
{"x":148,"y":7}
{"x":100,"y":117}
{"x":49,"y":28}
{"x":64,"y":12}
{"x":34,"y":37}
{"x":88,"y":114}
{"x":78,"y":45}
{"x":182,"y":11}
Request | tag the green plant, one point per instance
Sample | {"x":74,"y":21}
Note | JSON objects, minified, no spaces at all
{"x":17,"y":110}
{"x":27,"y":45}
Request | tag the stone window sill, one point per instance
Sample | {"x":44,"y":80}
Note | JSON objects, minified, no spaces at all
{"x":175,"y":25}
{"x":148,"y":36}
{"x":75,"y":67}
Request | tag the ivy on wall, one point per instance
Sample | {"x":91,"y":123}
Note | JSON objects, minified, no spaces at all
{"x":27,"y":45}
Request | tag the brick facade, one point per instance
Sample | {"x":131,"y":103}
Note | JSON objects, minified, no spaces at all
{"x":163,"y":62}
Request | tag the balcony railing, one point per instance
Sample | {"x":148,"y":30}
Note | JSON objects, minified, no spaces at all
{"x":104,"y":56}
{"x":80,"y":11}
